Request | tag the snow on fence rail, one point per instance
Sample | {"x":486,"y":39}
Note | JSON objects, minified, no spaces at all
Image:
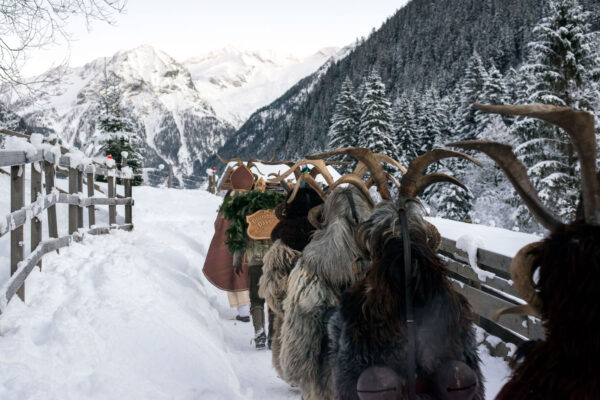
{"x":496,"y":291}
{"x":46,"y":160}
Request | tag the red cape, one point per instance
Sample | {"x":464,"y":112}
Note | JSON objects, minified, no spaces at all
{"x":218,"y":266}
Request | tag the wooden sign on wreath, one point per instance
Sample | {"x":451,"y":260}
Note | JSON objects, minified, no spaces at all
{"x":261,"y":224}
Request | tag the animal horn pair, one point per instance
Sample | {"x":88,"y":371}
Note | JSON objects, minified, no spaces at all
{"x":319,"y":166}
{"x":413,"y":182}
{"x":367,"y":161}
{"x":305,"y":179}
{"x":238,"y":161}
{"x":579,"y":125}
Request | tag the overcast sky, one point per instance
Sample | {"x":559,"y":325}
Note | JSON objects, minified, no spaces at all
{"x":184,"y":28}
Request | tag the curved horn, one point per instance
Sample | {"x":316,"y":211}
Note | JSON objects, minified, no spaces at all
{"x":425,"y":181}
{"x":503,"y":155}
{"x":419,"y":165}
{"x":353,"y":180}
{"x":314,"y":216}
{"x":579,"y":125}
{"x":319,"y":165}
{"x":310,"y":181}
{"x":522,"y":268}
{"x":368,"y":158}
{"x":361,"y":169}
{"x":434,"y":238}
{"x":519,"y":309}
{"x":370,"y":182}
{"x":236,"y":159}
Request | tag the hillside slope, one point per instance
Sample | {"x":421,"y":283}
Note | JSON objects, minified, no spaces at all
{"x":425,"y":44}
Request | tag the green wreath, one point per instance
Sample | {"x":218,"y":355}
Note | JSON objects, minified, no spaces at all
{"x":236,"y":208}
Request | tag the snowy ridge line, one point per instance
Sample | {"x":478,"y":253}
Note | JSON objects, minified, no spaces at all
{"x":483,"y":277}
{"x":20,"y":217}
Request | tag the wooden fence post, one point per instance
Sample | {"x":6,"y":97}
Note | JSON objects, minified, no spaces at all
{"x":17,"y":201}
{"x":50,"y":173}
{"x":79,"y":190}
{"x":170,"y":182}
{"x":127,"y":183}
{"x":90,"y":192}
{"x":73,"y":209}
{"x":36,"y":193}
{"x":112,"y":210}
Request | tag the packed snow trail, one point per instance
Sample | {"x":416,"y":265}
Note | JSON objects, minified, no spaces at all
{"x":130,"y":316}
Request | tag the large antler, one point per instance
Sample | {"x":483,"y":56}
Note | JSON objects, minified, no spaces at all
{"x":410,"y":186}
{"x":579,"y":125}
{"x":503,"y":155}
{"x":236,"y":159}
{"x":319,"y":165}
{"x":305,"y":178}
{"x":371,"y":161}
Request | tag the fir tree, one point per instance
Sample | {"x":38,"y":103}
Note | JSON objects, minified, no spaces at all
{"x":343,"y":131}
{"x":116,"y":130}
{"x":493,"y":91}
{"x":405,"y":128}
{"x":561,"y":69}
{"x":470,"y":89}
{"x":376,"y":127}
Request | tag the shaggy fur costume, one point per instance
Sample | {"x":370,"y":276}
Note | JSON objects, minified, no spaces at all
{"x":278,"y":262}
{"x":565,"y":364}
{"x":289,"y":236}
{"x":369,"y":327}
{"x":325,"y":269}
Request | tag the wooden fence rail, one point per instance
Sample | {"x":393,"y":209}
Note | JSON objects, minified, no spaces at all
{"x":45,"y":164}
{"x":486,"y":297}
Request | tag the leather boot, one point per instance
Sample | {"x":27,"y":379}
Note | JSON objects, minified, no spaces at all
{"x":258,"y":320}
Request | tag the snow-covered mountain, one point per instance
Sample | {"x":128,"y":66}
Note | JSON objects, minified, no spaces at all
{"x":174,"y":122}
{"x":184,"y":111}
{"x":237,"y":82}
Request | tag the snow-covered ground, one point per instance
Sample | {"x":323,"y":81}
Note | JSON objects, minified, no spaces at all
{"x":130,"y":316}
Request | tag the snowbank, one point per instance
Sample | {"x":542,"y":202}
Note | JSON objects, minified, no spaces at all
{"x":498,"y":240}
{"x":129,"y":315}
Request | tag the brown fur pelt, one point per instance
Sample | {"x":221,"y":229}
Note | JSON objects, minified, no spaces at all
{"x":369,"y":326}
{"x":278,"y":262}
{"x":294,"y":229}
{"x":289,"y":236}
{"x":325,"y":269}
{"x":565,"y":364}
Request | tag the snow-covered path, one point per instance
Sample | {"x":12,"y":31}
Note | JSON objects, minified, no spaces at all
{"x":130,"y":316}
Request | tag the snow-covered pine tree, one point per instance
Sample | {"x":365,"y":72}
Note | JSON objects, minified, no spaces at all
{"x":115,"y":129}
{"x":343,"y":131}
{"x":376,"y":129}
{"x":561,"y":69}
{"x":451,"y":201}
{"x":405,"y":128}
{"x":493,"y":91}
{"x":488,"y":185}
{"x":470,"y":89}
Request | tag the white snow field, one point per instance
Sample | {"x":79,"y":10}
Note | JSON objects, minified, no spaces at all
{"x":130,"y":316}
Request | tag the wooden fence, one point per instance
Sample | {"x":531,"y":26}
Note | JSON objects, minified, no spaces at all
{"x":486,"y":297}
{"x":47,"y":163}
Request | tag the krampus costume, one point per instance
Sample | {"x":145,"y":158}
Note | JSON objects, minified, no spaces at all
{"x":289,"y":237}
{"x":405,"y":294}
{"x":563,"y":365}
{"x":325,"y":269}
{"x":236,"y":209}
{"x":369,"y":328}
